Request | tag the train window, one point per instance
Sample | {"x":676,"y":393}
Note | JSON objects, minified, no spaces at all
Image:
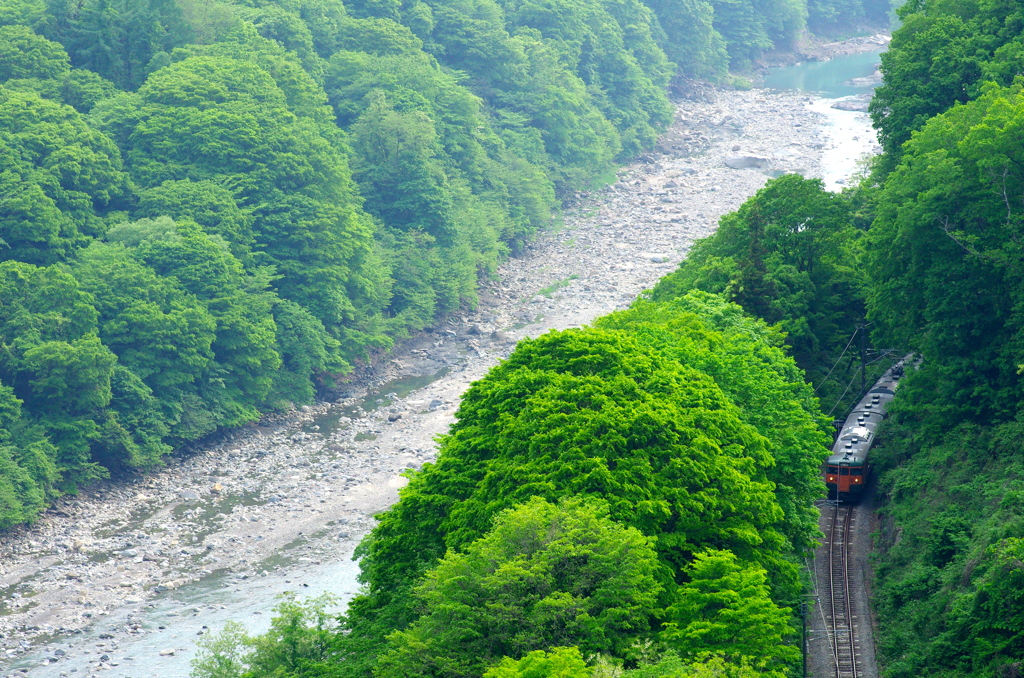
{"x":856,"y":471}
{"x":833,"y":470}
{"x":844,"y":471}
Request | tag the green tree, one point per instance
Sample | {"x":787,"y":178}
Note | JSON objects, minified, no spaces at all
{"x":726,"y":607}
{"x":225,"y":120}
{"x":944,"y":257}
{"x":790,"y":255}
{"x":749,"y":362}
{"x":545,"y":575}
{"x":560,"y":662}
{"x":59,"y":175}
{"x":117,"y":39}
{"x":208,"y":203}
{"x":31,"y":13}
{"x":580,"y":413}
{"x":243,"y":350}
{"x":23,"y":54}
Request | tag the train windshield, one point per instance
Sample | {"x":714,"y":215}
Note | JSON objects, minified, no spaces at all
{"x":844,"y":471}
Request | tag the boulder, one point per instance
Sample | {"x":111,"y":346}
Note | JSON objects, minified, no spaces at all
{"x":747,"y":162}
{"x":851,"y":105}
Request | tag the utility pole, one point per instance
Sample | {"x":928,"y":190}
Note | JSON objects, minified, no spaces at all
{"x":803,"y":634}
{"x":863,"y":361}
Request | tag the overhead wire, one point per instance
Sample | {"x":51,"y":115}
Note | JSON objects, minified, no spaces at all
{"x":866,"y":365}
{"x":842,"y":396}
{"x":852,"y":337}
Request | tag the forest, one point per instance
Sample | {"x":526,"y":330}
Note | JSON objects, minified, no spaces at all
{"x":611,"y":438}
{"x":210,"y":211}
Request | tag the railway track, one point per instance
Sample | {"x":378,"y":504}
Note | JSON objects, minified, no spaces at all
{"x":837,"y":601}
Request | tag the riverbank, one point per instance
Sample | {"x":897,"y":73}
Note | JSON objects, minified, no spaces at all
{"x":813,"y":48}
{"x":123,"y":577}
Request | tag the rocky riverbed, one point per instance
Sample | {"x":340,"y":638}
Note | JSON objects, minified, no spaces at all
{"x":107,"y":581}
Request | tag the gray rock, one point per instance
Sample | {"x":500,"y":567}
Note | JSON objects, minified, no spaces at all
{"x":851,"y":105}
{"x":747,"y":162}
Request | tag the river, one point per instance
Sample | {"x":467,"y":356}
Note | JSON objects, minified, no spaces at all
{"x":339,"y":469}
{"x":851,"y":138}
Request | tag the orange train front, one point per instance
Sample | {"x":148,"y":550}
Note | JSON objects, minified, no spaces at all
{"x":846,"y":471}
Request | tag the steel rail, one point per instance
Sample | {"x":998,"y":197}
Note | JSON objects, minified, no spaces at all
{"x":842,"y":631}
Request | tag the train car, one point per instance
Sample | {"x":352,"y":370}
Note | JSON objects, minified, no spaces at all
{"x":847,"y":470}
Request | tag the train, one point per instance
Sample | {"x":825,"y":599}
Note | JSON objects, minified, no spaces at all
{"x":847,"y":469}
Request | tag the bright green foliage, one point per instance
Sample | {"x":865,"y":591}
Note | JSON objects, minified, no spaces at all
{"x":942,"y":54}
{"x":612,"y":49}
{"x":950,"y":557}
{"x":432,"y":168}
{"x":23,"y":54}
{"x":159,"y":331}
{"x":521,"y":76}
{"x":298,"y":644}
{"x":20,"y":498}
{"x":208,"y":203}
{"x":726,"y":608}
{"x":691,"y":41}
{"x":58,"y":370}
{"x":31,"y":63}
{"x":944,"y":252}
{"x":560,"y":662}
{"x":309,"y":354}
{"x":28,"y":470}
{"x":746,"y":359}
{"x":221,"y":655}
{"x":545,"y":575}
{"x":56,"y":174}
{"x":707,"y":666}
{"x":63,"y":374}
{"x":597,"y":413}
{"x":243,"y":351}
{"x":790,"y":255}
{"x":224,"y":119}
{"x":645,"y":483}
{"x":31,"y":13}
{"x":77,"y":87}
